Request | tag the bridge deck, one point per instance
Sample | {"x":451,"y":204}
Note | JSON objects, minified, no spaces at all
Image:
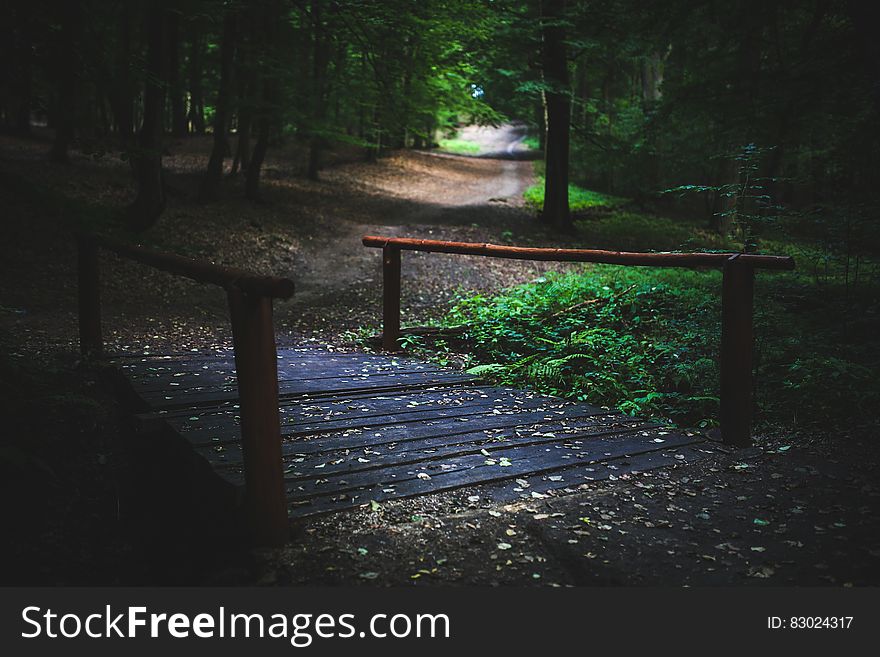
{"x":360,"y":427}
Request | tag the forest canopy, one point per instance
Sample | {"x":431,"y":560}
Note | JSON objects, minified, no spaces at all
{"x":750,"y":110}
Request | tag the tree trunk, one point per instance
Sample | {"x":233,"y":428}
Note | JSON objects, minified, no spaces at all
{"x":197,"y":101}
{"x":320,"y":61}
{"x":267,"y":109}
{"x":214,"y":174}
{"x":66,"y":69}
{"x":245,"y":74}
{"x":252,"y":175}
{"x":557,"y":104}
{"x":121,"y":94}
{"x":583,"y":96}
{"x":175,"y":86}
{"x":150,"y":201}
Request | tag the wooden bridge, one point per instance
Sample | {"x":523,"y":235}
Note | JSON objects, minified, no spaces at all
{"x":301,"y":431}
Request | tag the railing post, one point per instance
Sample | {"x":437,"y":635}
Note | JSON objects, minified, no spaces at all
{"x":736,"y":352}
{"x":257,"y":375}
{"x":390,"y":297}
{"x":89,"y":296}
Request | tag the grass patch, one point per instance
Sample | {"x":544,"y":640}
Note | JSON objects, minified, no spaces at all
{"x":578,"y":198}
{"x":459,"y":146}
{"x":634,"y":231}
{"x":532,"y":143}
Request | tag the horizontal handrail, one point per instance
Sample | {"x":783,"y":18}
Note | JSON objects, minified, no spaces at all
{"x":737,"y":292}
{"x":716,"y":260}
{"x":273,"y":287}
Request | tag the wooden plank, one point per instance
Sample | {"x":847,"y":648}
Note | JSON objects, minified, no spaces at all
{"x":380,"y":383}
{"x":468,"y":471}
{"x":224,"y":358}
{"x":154,"y":379}
{"x":343,"y":460}
{"x":357,"y":427}
{"x":523,"y":459}
{"x":201,"y":426}
{"x":393,"y":429}
{"x":367,"y":402}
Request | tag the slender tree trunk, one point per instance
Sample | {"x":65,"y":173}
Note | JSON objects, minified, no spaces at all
{"x":197,"y":101}
{"x":66,"y":69}
{"x":214,"y":174}
{"x":175,"y":86}
{"x":320,"y":62}
{"x":557,"y":103}
{"x":266,"y":114}
{"x":247,"y":86}
{"x":583,"y":94}
{"x":120,"y":94}
{"x":252,"y":175}
{"x":150,"y":202}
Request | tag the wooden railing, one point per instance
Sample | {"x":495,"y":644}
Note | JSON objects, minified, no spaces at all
{"x":737,"y":292}
{"x":250,"y":307}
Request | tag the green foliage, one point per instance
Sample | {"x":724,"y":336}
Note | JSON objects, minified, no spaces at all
{"x":606,"y":335}
{"x":636,"y":231}
{"x":578,"y":198}
{"x":460,"y":146}
{"x":646,"y":340}
{"x":532,"y":143}
{"x":744,"y":207}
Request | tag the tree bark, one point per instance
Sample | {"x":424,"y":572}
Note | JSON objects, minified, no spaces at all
{"x":121,"y":95}
{"x":557,"y":103}
{"x":267,"y":110}
{"x":175,"y":86}
{"x":150,"y":202}
{"x":197,"y":101}
{"x":247,"y":88}
{"x":320,"y":62}
{"x":214,"y":174}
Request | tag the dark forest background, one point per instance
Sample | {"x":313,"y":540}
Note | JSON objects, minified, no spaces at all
{"x":273,"y":134}
{"x":759,"y":109}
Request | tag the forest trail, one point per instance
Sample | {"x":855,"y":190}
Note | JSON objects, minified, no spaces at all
{"x":308,"y":231}
{"x":418,"y":194}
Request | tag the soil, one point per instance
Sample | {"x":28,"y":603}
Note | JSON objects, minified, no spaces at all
{"x":797,"y":508}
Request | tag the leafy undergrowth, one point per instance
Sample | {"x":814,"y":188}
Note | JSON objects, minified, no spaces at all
{"x":579,"y":199}
{"x":460,"y":146}
{"x":646,"y":340}
{"x":605,"y":335}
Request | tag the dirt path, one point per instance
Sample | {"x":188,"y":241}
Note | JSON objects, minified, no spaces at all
{"x":443,"y":190}
{"x":445,"y":197}
{"x":309,"y":231}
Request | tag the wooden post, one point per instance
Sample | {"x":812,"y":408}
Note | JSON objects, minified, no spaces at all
{"x":736,"y":352}
{"x":257,"y":374}
{"x":91,"y":343}
{"x":390,"y":298}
